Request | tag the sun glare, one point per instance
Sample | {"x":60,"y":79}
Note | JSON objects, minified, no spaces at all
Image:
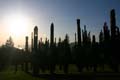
{"x":18,"y":25}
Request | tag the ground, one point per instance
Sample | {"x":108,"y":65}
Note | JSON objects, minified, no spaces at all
{"x":9,"y":74}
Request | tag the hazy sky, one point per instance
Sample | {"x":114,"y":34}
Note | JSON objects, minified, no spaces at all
{"x":63,"y":13}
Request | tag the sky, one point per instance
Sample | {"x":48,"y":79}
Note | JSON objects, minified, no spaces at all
{"x":63,"y":13}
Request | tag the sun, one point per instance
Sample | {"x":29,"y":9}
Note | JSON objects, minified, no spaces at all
{"x":18,"y":25}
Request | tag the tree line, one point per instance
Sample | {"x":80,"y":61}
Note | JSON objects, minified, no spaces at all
{"x":85,"y":52}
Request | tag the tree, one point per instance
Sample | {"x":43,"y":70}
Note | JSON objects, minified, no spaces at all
{"x":9,"y":42}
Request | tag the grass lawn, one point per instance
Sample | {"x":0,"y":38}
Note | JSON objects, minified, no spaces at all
{"x":9,"y":74}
